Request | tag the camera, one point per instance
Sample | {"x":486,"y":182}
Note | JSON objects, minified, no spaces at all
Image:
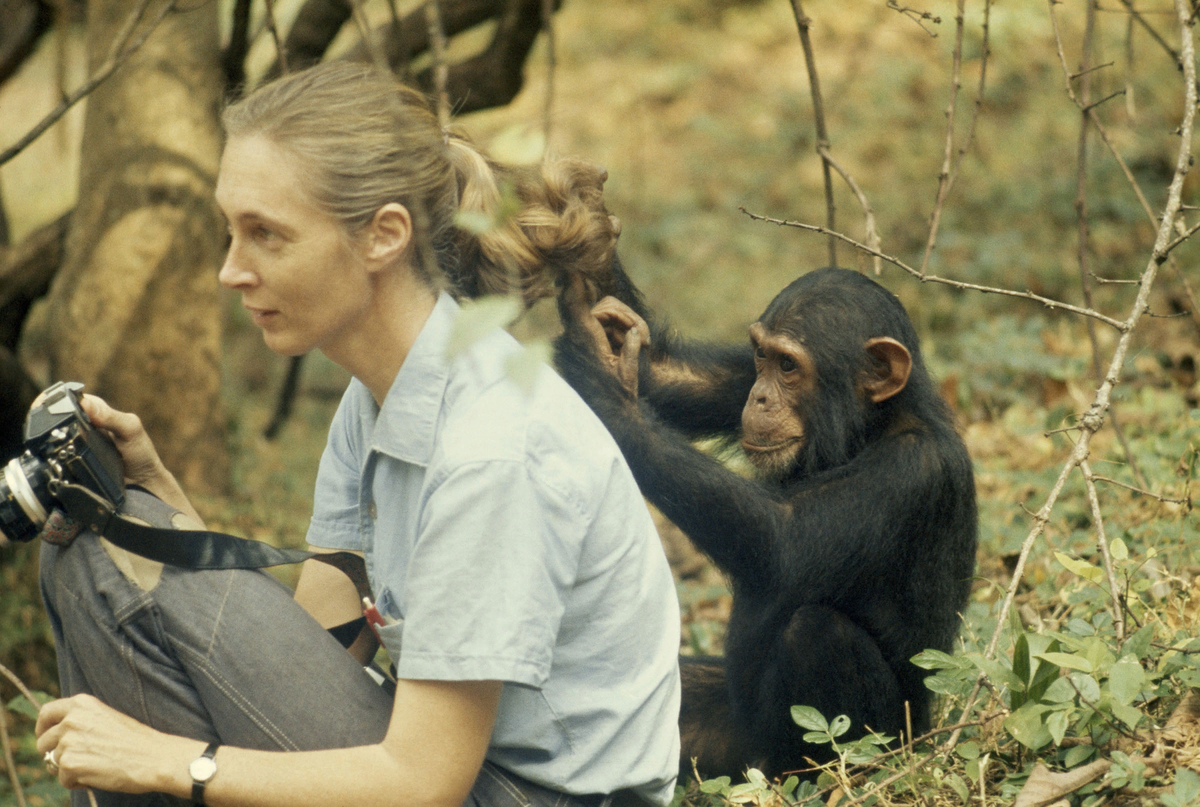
{"x":61,"y":446}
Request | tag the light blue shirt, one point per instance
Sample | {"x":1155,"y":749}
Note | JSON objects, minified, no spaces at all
{"x":505,"y":536}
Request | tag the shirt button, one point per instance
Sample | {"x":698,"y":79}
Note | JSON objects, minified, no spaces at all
{"x":372,"y":511}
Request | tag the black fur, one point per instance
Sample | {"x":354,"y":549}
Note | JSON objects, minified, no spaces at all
{"x":857,"y":560}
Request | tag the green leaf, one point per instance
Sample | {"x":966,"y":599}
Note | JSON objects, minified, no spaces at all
{"x":1126,"y":714}
{"x":937,"y":660}
{"x":959,"y":787}
{"x":1077,"y":755}
{"x":1126,"y":679}
{"x":1187,"y":785}
{"x":525,"y":366}
{"x":1057,"y":724}
{"x":1118,"y":550}
{"x":22,"y":706}
{"x":718,"y":785}
{"x":1089,"y":688}
{"x":1027,"y":726}
{"x":1085,"y":570}
{"x":477,"y":319}
{"x":997,"y":672}
{"x":839,"y":726}
{"x":475,"y":222}
{"x":1138,"y":645}
{"x":1068,"y":660}
{"x":968,"y":750}
{"x":809,"y":718}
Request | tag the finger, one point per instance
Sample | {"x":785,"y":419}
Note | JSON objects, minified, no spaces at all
{"x":49,"y":716}
{"x":627,"y":370}
{"x":612,"y":312}
{"x":124,"y":425}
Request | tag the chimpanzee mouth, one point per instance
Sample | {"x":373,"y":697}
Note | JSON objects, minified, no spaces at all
{"x":761,"y":448}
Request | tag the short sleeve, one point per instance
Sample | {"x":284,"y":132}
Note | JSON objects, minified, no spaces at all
{"x":494,"y":561}
{"x":335,"y":516}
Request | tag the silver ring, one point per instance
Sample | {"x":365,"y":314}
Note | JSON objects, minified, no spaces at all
{"x":51,"y":762}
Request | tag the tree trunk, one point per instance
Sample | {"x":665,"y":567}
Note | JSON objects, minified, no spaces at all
{"x":134,"y":312}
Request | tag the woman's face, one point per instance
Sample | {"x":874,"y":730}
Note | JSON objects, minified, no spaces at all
{"x":301,"y":277}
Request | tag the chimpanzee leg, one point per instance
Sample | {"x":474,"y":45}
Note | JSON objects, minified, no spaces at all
{"x":212,"y":655}
{"x":708,"y":732}
{"x":824,"y":660}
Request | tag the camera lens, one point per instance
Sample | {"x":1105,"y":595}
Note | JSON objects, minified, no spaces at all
{"x":23,"y":498}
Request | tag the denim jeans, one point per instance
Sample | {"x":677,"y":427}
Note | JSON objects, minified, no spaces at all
{"x":220,"y":655}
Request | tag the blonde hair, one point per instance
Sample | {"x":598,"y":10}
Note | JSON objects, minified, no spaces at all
{"x":366,"y":140}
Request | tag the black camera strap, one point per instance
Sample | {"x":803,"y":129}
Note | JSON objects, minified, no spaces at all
{"x":194,"y":549}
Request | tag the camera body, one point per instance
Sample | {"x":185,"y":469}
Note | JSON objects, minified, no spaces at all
{"x":61,"y":446}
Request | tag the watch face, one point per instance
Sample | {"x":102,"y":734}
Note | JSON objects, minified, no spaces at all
{"x":202,"y":769}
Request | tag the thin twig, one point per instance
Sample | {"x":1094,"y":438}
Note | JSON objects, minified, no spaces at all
{"x":1102,"y":541}
{"x":948,"y":152}
{"x":117,"y":56}
{"x":868,"y":211}
{"x":551,"y":70}
{"x":1026,"y":295}
{"x":24,"y":690}
{"x":1094,"y":418}
{"x":803,"y":22}
{"x":1142,"y":491}
{"x":279,"y":48}
{"x":437,"y":48}
{"x":9,"y":762}
{"x":950,"y":168}
{"x":369,"y":42}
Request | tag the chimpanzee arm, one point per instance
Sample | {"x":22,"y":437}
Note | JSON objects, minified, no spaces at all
{"x":824,"y":531}
{"x":698,"y":388}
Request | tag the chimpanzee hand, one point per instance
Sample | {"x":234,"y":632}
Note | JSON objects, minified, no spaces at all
{"x":617,"y":332}
{"x":624,"y":335}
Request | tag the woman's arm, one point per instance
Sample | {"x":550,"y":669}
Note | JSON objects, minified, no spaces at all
{"x":433,"y":751}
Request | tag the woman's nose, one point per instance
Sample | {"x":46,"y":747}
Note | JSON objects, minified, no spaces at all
{"x":232,"y":274}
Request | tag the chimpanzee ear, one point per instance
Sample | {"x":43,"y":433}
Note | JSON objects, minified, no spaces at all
{"x":891,"y":364}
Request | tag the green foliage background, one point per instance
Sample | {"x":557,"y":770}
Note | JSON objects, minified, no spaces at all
{"x":699,"y":107}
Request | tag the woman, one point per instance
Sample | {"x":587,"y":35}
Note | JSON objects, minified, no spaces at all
{"x":530,"y":615}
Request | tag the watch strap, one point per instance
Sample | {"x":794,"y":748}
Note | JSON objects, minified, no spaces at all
{"x":198,"y":784}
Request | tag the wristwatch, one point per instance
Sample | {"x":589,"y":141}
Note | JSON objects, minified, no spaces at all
{"x":203,"y":769}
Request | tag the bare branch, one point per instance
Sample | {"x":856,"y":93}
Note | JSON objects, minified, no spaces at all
{"x":1093,"y":419}
{"x":551,"y":70}
{"x":118,"y":54}
{"x":1114,"y":588}
{"x":926,"y":278}
{"x":368,"y":40}
{"x":868,"y":211}
{"x":437,"y":42}
{"x":803,"y":22}
{"x":280,"y":50}
{"x":950,"y":169}
{"x":10,"y":763}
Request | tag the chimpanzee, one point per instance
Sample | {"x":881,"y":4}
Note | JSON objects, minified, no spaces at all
{"x":853,"y":549}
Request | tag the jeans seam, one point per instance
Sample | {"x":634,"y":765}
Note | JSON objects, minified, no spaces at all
{"x":277,"y":735}
{"x":220,"y":611}
{"x":509,"y":786}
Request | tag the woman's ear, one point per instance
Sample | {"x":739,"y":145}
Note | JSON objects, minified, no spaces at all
{"x":389,"y":234}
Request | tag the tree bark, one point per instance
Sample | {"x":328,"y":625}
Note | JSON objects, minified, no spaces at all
{"x":134,"y":311}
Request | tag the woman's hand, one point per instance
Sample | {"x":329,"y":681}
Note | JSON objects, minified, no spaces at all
{"x":143,"y":466}
{"x":96,"y":746}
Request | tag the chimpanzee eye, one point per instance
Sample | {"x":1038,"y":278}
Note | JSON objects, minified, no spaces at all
{"x":759,"y":353}
{"x":787,"y":365}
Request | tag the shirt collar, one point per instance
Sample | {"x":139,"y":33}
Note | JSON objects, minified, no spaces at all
{"x":407,"y":422}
